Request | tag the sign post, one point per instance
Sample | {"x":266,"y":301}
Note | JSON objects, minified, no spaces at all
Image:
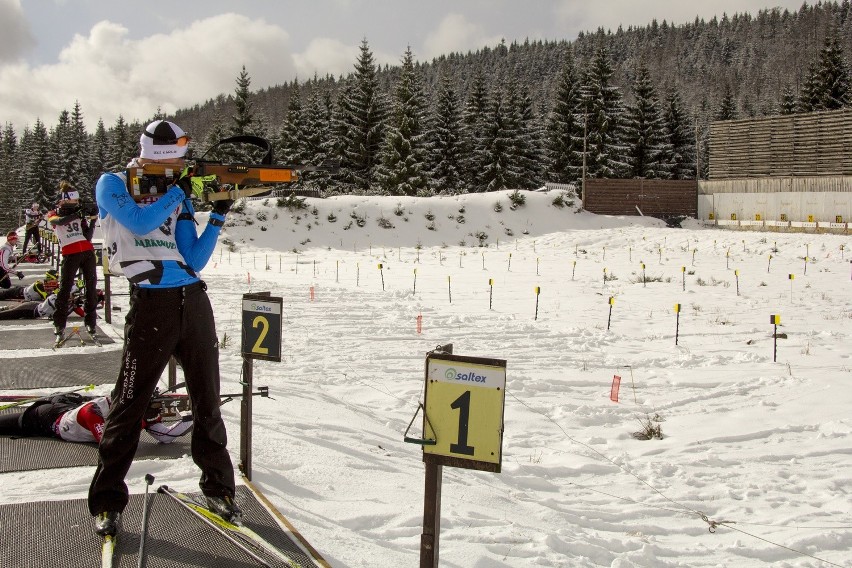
{"x":261,"y":339}
{"x":462,"y":427}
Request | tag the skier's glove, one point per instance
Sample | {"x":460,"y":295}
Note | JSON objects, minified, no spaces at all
{"x":223,"y":206}
{"x":20,"y":275}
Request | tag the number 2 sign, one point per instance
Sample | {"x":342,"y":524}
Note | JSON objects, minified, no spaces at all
{"x":464,"y":403}
{"x":261,"y":337}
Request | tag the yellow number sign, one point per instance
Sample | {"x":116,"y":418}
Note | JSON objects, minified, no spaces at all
{"x":465,"y":397}
{"x":261,"y":333}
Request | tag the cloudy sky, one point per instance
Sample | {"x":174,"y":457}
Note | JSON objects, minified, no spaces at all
{"x":120,"y":58}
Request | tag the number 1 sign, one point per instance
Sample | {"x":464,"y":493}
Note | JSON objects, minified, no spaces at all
{"x":465,"y":397}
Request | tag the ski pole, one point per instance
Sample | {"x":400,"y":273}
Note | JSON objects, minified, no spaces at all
{"x":149,"y":479}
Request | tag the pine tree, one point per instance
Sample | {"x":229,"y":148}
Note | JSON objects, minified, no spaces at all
{"x":681,"y":139}
{"x":61,"y":147}
{"x":833,"y":76}
{"x":526,"y":138}
{"x":243,"y":123}
{"x":317,"y":137}
{"x":290,"y":148}
{"x":565,"y":127}
{"x":495,"y":147}
{"x":403,"y":156}
{"x":788,"y":105}
{"x":445,"y":150}
{"x":37,"y":178}
{"x":123,"y":145}
{"x":98,"y":156}
{"x":809,"y":96}
{"x":78,"y":169}
{"x":728,"y":106}
{"x":473,"y":126}
{"x":605,"y":149}
{"x":361,"y":123}
{"x":243,"y":119}
{"x":644,"y":136}
{"x":10,"y":178}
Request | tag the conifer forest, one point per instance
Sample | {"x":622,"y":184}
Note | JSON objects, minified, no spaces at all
{"x":623,"y":103}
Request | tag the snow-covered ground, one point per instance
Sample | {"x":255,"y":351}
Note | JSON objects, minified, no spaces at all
{"x":763,"y":448}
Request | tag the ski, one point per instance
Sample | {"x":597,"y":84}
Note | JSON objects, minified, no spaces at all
{"x":229,"y":530}
{"x":74,"y":331}
{"x":95,"y":339}
{"x":22,"y":399}
{"x":107,"y":550}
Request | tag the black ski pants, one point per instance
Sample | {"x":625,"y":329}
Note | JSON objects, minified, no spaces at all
{"x":71,"y":264}
{"x":164,"y":322}
{"x":32,"y":233}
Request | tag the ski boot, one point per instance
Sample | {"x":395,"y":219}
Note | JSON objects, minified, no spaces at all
{"x":106,"y":523}
{"x":225,"y":508}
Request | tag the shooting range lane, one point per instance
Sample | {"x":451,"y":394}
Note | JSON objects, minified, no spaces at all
{"x":28,"y":454}
{"x":175,"y":539}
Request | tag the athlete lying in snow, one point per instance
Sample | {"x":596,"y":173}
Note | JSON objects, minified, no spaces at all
{"x":79,"y":418}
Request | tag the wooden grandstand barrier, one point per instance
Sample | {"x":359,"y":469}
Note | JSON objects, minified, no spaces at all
{"x":803,"y":144}
{"x":653,"y":198}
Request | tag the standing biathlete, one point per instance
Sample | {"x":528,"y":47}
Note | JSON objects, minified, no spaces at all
{"x":74,"y":231}
{"x":156,"y":246}
{"x":33,"y":217}
{"x":8,"y":260}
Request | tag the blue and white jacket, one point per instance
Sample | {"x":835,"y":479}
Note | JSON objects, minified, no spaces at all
{"x":154,"y":245}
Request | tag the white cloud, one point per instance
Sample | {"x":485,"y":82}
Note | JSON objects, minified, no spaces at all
{"x":325,"y":55}
{"x":15,"y":34}
{"x":456,"y":34}
{"x":112,"y":75}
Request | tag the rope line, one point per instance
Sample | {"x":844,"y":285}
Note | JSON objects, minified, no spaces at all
{"x":712,"y":524}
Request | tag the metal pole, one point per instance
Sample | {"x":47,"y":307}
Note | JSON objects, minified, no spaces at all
{"x":245,"y":419}
{"x":149,"y":479}
{"x":430,"y":539}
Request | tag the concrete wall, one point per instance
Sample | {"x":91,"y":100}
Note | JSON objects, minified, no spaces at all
{"x":780,"y":203}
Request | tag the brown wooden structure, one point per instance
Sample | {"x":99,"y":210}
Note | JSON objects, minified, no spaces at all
{"x":804,"y":144}
{"x":663,"y":199}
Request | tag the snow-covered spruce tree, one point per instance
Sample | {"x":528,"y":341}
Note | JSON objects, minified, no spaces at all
{"x":833,"y":76}
{"x":678,"y":130}
{"x":243,"y":122}
{"x":788,"y":104}
{"x":79,"y":174}
{"x":445,"y":144}
{"x":727,"y":107}
{"x":495,"y":146}
{"x":403,"y":155}
{"x":605,"y":149}
{"x":35,"y":149}
{"x":527,"y":139}
{"x":564,"y":149}
{"x":473,"y":124}
{"x":644,"y":135}
{"x":61,"y":147}
{"x":317,"y":138}
{"x":360,"y":124}
{"x":124,"y":144}
{"x":289,"y":144}
{"x":99,"y":152}
{"x":10,"y":177}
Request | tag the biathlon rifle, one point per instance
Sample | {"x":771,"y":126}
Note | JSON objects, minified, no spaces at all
{"x":172,"y":404}
{"x":212,"y":180}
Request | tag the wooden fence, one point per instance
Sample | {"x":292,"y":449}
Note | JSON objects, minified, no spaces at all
{"x":804,"y":144}
{"x":651,"y":197}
